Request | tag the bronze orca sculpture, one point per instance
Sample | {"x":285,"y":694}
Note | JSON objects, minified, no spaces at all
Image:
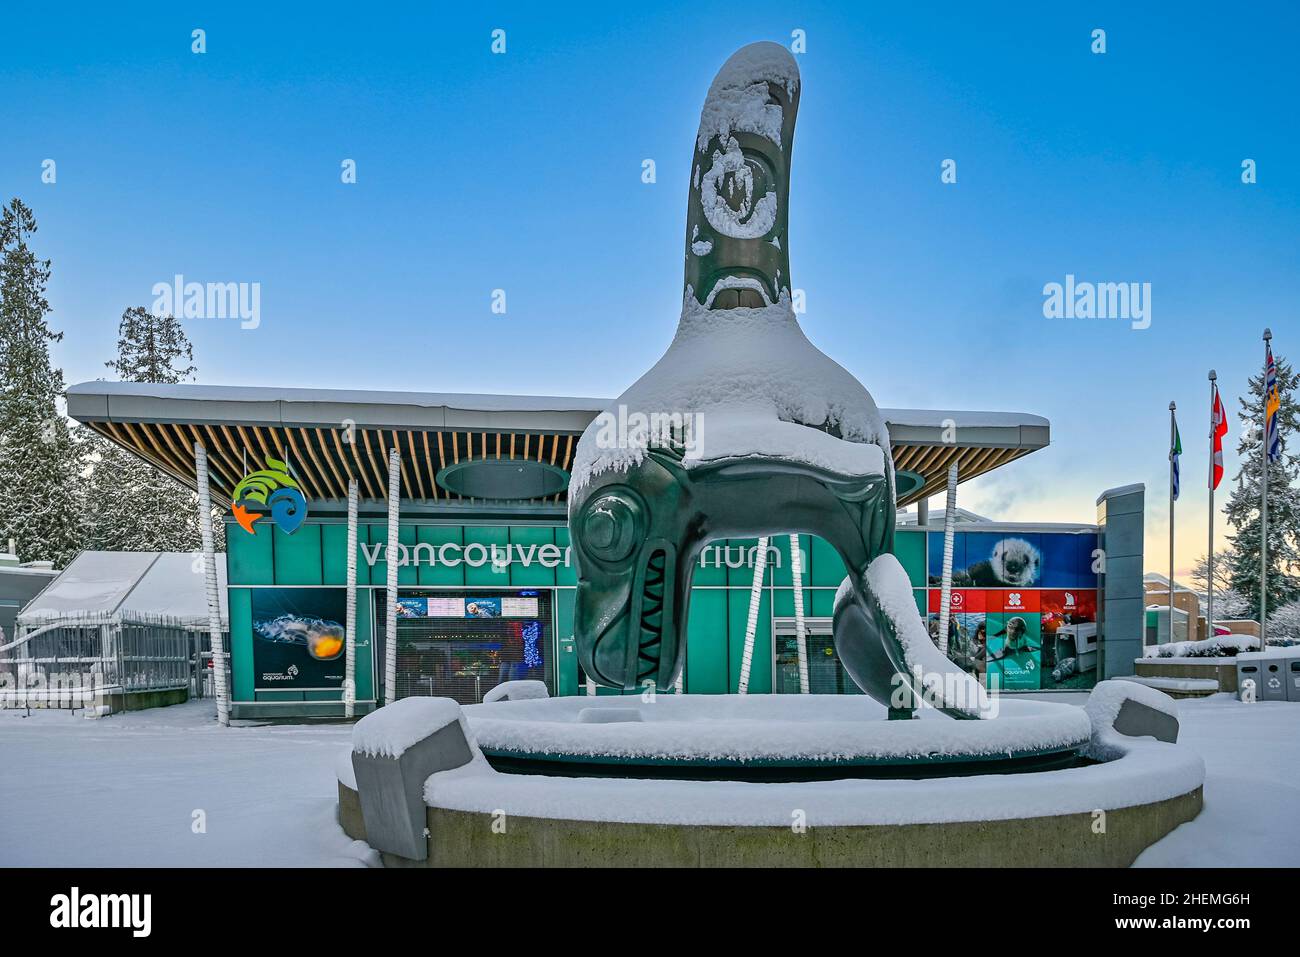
{"x":743,"y":428}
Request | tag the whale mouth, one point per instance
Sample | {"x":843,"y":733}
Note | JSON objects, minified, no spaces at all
{"x":738,"y":292}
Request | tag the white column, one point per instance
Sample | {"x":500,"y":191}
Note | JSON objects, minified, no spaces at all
{"x":391,"y":552}
{"x":945,"y":592}
{"x":800,"y":632}
{"x":210,"y":585}
{"x":350,"y":674}
{"x":755,"y":596}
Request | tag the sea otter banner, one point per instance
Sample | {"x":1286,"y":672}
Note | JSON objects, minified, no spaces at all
{"x":1024,"y":607}
{"x":298,"y":638}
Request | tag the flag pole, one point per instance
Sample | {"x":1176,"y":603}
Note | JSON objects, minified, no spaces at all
{"x":1263,"y":507}
{"x":1173,"y":440}
{"x":1209,"y":575}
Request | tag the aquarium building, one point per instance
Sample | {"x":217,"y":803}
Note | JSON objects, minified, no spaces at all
{"x":486,"y":579}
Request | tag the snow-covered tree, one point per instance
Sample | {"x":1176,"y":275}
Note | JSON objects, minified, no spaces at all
{"x":1227,"y":603}
{"x":1284,"y":623}
{"x":1223,"y":559}
{"x":1283,"y":499}
{"x":39,"y":472}
{"x":132,"y":505}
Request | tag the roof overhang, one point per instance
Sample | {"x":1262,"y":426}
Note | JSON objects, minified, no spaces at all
{"x":333,"y":435}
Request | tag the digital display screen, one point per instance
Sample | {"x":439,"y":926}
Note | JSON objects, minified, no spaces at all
{"x":519,"y":607}
{"x":445,"y":607}
{"x":504,"y":606}
{"x":461,"y":645}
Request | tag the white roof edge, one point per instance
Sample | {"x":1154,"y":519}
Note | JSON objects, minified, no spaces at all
{"x":474,"y":402}
{"x":960,"y":418}
{"x":495,"y":402}
{"x":1121,"y":490}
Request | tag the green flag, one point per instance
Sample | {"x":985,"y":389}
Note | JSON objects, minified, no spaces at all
{"x":1174,"y":452}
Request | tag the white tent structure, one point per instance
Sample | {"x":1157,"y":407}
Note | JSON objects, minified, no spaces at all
{"x":160,"y":584}
{"x":114,"y":631}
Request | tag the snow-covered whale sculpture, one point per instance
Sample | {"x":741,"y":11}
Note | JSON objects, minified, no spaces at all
{"x":743,"y":428}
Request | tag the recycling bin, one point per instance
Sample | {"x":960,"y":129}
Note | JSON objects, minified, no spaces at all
{"x":1248,"y":669}
{"x":1273,"y":679}
{"x":1292,"y":679}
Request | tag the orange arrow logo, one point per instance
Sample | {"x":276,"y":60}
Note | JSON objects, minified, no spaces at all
{"x":245,"y":518}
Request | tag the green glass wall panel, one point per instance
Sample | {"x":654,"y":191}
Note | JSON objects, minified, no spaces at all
{"x":566,"y":665}
{"x":760,"y":670}
{"x":479,"y":569}
{"x":377,"y":537}
{"x":239,"y":603}
{"x":706,"y":653}
{"x":364,"y":667}
{"x":827,"y":569}
{"x":533,"y":542}
{"x":823,"y":603}
{"x":738,"y":553}
{"x":407,"y":574}
{"x":439,"y":574}
{"x":564,"y":574}
{"x":783,"y":575}
{"x":249,"y":560}
{"x":714,"y":572}
{"x":297,"y":556}
{"x":909,"y":548}
{"x":334,"y":554}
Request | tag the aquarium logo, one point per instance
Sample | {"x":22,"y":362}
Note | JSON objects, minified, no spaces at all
{"x":272,"y":493}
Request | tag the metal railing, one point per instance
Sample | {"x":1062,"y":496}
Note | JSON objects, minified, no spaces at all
{"x":81,"y":660}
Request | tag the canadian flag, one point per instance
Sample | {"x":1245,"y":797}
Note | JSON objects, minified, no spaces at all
{"x":1218,"y":429}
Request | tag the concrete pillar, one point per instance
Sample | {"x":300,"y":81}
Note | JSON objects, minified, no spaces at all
{"x":1121,"y":611}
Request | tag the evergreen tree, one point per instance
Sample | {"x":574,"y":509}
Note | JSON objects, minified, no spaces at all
{"x":132,"y":505}
{"x":39,"y":482}
{"x":1242,"y":509}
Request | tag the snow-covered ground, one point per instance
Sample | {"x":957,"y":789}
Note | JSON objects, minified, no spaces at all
{"x":124,"y":790}
{"x":1252,"y":787}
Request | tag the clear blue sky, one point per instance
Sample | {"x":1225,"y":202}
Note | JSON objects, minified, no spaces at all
{"x":523,"y":172}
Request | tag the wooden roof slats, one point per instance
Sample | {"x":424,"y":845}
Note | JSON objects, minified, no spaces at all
{"x":325,"y":461}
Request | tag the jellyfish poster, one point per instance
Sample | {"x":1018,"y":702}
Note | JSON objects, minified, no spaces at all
{"x":298,"y":638}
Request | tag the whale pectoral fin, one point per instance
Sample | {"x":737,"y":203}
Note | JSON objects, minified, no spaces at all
{"x":861,"y":642}
{"x":868,"y":640}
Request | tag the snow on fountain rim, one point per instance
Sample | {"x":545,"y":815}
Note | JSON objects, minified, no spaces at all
{"x":764,"y":728}
{"x":390,"y":730}
{"x":1143,"y":772}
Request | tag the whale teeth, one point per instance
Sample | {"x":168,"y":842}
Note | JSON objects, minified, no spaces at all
{"x":651,"y":622}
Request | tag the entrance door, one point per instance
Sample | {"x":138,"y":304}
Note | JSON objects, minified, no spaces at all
{"x":826,"y":674}
{"x":462,"y":643}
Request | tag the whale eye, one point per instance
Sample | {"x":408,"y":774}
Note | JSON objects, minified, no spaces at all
{"x":611,"y":527}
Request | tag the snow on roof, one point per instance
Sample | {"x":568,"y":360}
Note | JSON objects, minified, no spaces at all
{"x":493,"y":402}
{"x":940,"y":418}
{"x":475,"y":402}
{"x":167,"y":584}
